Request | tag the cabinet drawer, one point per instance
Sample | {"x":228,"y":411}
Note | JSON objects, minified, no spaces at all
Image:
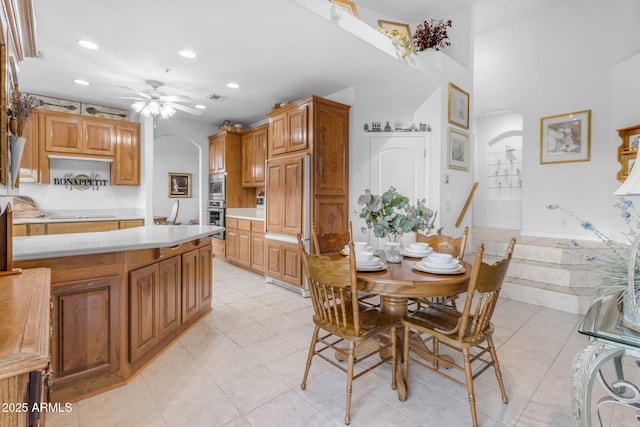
{"x":37,"y":229}
{"x":244,"y":224}
{"x":257,"y":226}
{"x":232,"y":222}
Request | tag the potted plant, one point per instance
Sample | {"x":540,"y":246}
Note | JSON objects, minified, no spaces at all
{"x":22,"y":106}
{"x":391,"y":215}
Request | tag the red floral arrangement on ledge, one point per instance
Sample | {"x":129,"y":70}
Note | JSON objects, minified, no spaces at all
{"x":432,"y":35}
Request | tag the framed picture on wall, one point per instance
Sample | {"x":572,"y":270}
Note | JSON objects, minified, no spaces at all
{"x":458,"y":150}
{"x":458,"y":106}
{"x":566,"y":138}
{"x":347,"y":6}
{"x":179,"y":184}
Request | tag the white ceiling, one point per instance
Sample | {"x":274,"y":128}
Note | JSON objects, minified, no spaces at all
{"x":276,"y":50}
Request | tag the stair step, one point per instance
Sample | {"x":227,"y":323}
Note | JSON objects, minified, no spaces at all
{"x":571,"y":300}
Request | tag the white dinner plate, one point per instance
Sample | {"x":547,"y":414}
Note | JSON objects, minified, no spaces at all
{"x":345,"y":251}
{"x":417,"y":254}
{"x":440,"y":265}
{"x":421,"y":267}
{"x":377,"y":267}
{"x":373,"y":261}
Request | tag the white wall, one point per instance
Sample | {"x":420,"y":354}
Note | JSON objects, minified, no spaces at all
{"x":557,"y":62}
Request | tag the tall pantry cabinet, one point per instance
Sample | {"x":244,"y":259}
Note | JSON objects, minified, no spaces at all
{"x":320,"y":128}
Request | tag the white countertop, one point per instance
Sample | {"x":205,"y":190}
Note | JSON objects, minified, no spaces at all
{"x":151,"y":236}
{"x":80,"y":215}
{"x":257,"y":214}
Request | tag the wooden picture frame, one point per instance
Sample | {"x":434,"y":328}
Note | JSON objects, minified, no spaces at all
{"x":458,"y":150}
{"x":179,"y":185}
{"x":403,"y":30}
{"x":458,"y":107}
{"x":565,"y":138}
{"x":347,"y":6}
{"x":628,"y":150}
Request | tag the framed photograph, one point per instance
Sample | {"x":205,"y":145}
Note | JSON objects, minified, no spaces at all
{"x":347,"y":6}
{"x":402,"y":29}
{"x":458,"y":150}
{"x":458,"y":106}
{"x":566,"y":138}
{"x":179,"y":184}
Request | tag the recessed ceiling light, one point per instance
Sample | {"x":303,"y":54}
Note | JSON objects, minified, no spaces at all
{"x":187,"y":54}
{"x":81,"y":82}
{"x":233,"y":85}
{"x":201,"y":107}
{"x":87,"y":44}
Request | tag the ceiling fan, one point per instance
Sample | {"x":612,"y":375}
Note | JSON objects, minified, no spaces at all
{"x":154,"y":102}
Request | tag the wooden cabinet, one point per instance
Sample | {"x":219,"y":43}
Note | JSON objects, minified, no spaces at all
{"x":285,"y":194}
{"x":154,"y":305}
{"x":288,"y":129}
{"x":86,"y":323}
{"x":196,"y":282}
{"x":39,"y":228}
{"x":254,"y":155}
{"x":218,"y":248}
{"x":52,"y":132}
{"x":283,"y":262}
{"x":25,"y":352}
{"x":125,"y":169}
{"x":225,"y":156}
{"x":628,"y":150}
{"x":257,"y":246}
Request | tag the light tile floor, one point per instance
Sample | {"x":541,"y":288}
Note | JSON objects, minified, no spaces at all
{"x":242,"y":365}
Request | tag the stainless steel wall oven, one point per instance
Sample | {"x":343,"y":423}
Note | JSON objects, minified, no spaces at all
{"x":216,"y":213}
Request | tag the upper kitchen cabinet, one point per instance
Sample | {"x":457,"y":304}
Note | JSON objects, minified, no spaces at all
{"x":125,"y":170}
{"x":254,"y":155}
{"x":225,"y":156}
{"x":55,"y":133}
{"x":289,"y":129}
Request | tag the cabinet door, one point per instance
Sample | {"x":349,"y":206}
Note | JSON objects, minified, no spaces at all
{"x":274,"y":262}
{"x":206,"y":277}
{"x":247,"y":160}
{"x":231,"y":241}
{"x":278,"y":134}
{"x":257,"y":251}
{"x":285,"y":195}
{"x":98,"y":137}
{"x":218,"y":153}
{"x":169,"y":307}
{"x":144,"y":301}
{"x":275,"y":196}
{"x":259,"y":155}
{"x":86,"y":339}
{"x":212,"y":157}
{"x":190,"y":296}
{"x":244,"y":248}
{"x":126,"y":167}
{"x":30,"y":164}
{"x":63,"y":134}
{"x":331,"y":151}
{"x":298,"y":132}
{"x":283,"y":262}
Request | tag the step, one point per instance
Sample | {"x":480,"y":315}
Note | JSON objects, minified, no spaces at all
{"x":553,"y":273}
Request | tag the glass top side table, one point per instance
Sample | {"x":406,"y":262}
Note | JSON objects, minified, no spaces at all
{"x":610,"y":341}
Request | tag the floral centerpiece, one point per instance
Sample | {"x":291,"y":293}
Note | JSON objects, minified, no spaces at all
{"x":391,"y":215}
{"x":432,"y":35}
{"x":613,"y":264}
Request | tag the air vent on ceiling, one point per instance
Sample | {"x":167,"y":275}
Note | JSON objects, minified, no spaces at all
{"x":214,"y":97}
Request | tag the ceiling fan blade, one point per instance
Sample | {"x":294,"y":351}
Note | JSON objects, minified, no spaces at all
{"x":137,"y":98}
{"x":142,"y":94}
{"x":176,"y":98}
{"x":183,"y":108}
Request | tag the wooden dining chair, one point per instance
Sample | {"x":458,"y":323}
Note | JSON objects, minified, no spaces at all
{"x":339,"y":319}
{"x":455,"y":246}
{"x":469,"y":332}
{"x":333,"y":243}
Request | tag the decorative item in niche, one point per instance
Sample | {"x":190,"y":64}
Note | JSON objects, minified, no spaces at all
{"x":458,"y":150}
{"x":458,"y":106}
{"x":179,"y":184}
{"x":347,"y":6}
{"x":57,"y":104}
{"x":565,"y":138}
{"x":81,"y":181}
{"x":22,"y":107}
{"x":400,"y":35}
{"x":104,"y":112}
{"x":398,"y":127}
{"x":432,"y":35}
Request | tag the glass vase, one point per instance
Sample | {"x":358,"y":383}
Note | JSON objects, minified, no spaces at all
{"x":393,"y":248}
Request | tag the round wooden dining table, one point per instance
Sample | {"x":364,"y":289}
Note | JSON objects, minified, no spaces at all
{"x":399,"y":282}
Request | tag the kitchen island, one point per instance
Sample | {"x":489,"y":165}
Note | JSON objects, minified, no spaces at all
{"x":119,"y":299}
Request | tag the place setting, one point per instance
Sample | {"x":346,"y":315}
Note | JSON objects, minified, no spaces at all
{"x":357,"y":246}
{"x":367,"y":261}
{"x":439,"y":263}
{"x":417,"y":250}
